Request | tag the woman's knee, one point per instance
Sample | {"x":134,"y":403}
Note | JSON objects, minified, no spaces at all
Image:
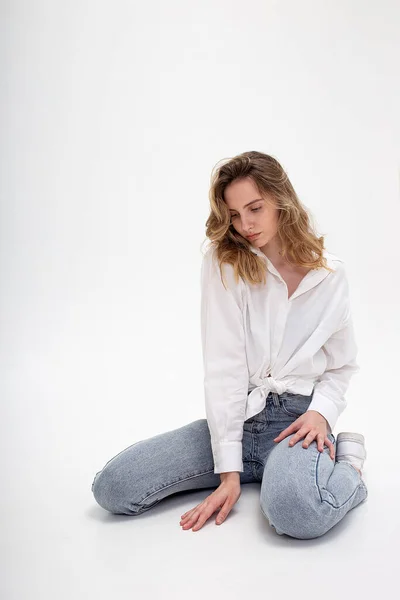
{"x":290,"y":501}
{"x":110,"y":493}
{"x":294,"y":522}
{"x":291,"y":514}
{"x":105,"y":490}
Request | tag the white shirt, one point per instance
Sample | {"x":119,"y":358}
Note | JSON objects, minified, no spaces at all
{"x":248,"y":332}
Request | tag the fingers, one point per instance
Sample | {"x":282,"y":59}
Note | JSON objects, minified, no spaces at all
{"x":331,"y":447}
{"x":285,"y":433}
{"x":320,"y":438}
{"x":196,"y":517}
{"x":314,"y":435}
{"x":299,"y":435}
{"x":192,"y":516}
{"x":187,"y":515}
{"x":224,"y":511}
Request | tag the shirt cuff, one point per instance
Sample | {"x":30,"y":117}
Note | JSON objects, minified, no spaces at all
{"x":227,"y":457}
{"x":326,"y":408}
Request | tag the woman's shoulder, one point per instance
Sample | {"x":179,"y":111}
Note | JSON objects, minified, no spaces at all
{"x":208,"y":252}
{"x":334,"y":261}
{"x":214,"y":272}
{"x":338,"y":279}
{"x":210,"y":256}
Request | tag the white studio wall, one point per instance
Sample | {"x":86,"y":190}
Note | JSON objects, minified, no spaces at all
{"x":112,"y":118}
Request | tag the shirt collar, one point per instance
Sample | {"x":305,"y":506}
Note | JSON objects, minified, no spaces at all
{"x":330,"y":259}
{"x":311,"y":279}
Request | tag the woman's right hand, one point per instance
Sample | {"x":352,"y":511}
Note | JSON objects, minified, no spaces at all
{"x":223,"y":498}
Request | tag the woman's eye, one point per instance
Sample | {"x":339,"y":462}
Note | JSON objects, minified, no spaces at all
{"x":252,"y":210}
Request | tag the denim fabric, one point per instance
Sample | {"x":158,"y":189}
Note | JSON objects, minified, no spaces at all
{"x":303,"y":492}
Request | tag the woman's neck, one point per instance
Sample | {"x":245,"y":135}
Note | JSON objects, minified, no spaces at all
{"x":272,"y":251}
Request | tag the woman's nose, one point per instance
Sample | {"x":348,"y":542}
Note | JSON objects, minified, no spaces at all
{"x":247,"y":226}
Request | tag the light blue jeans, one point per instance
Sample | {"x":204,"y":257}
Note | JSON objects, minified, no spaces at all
{"x":304,"y":493}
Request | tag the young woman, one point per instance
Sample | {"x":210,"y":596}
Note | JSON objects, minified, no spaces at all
{"x":279,"y":352}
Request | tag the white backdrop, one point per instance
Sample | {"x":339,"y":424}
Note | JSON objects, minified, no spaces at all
{"x":112,"y":117}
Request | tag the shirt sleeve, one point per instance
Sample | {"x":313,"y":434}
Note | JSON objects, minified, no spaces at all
{"x":341,"y":354}
{"x":226,"y":377}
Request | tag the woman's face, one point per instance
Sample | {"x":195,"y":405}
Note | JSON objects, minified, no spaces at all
{"x":258,"y":217}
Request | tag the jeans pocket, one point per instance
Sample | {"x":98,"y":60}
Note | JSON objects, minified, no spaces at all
{"x":294,"y":405}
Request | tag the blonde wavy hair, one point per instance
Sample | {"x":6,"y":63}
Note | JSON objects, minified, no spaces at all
{"x":300,"y":244}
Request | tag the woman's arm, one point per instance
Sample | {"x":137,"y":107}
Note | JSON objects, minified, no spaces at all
{"x":341,"y":354}
{"x":328,"y":400}
{"x":226,"y":377}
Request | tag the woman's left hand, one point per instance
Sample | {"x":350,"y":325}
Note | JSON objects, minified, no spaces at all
{"x":312,"y":425}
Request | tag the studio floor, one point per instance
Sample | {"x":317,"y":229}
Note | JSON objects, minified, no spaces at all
{"x":58,"y":542}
